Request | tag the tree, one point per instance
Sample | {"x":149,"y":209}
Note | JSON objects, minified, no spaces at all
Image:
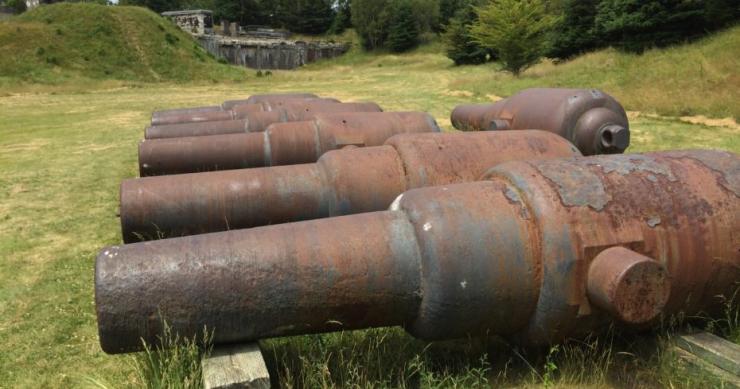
{"x":426,"y":13}
{"x":310,"y":16}
{"x":157,"y":6}
{"x":516,"y":30}
{"x":576,"y":32}
{"x":636,"y":25}
{"x":459,"y":45}
{"x":448,"y":9}
{"x":371,"y":19}
{"x":403,"y":32}
{"x":342,"y":18}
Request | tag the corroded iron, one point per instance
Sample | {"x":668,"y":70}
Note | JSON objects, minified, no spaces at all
{"x":510,"y":256}
{"x":342,"y":182}
{"x":246,"y":118}
{"x":594,"y":121}
{"x":282,"y":144}
{"x":228,"y":104}
{"x":232,"y":110}
{"x":268,"y":98}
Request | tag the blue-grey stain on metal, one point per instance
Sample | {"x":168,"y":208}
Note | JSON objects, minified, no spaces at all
{"x":589,"y":190}
{"x":727,"y":168}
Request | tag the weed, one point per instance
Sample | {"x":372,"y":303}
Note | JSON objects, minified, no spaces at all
{"x":550,"y":368}
{"x":173,"y":363}
{"x":171,"y":39}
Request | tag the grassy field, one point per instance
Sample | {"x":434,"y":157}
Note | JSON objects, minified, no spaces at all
{"x":65,"y":148}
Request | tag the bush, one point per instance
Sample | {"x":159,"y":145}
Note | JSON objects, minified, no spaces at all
{"x":18,"y":6}
{"x":459,"y":44}
{"x":403,"y":32}
{"x":516,"y":30}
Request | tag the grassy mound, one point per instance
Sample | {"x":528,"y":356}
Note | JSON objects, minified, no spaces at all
{"x":697,"y":78}
{"x":70,"y":41}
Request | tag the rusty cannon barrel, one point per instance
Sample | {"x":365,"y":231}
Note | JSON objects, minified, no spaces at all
{"x":245,"y":119}
{"x":271,"y":98}
{"x":591,"y":119}
{"x":228,"y":104}
{"x":282,"y":144}
{"x":230,"y":110}
{"x":342,"y":182}
{"x":539,"y":251}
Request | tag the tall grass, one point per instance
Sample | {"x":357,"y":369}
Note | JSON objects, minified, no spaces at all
{"x":173,"y":363}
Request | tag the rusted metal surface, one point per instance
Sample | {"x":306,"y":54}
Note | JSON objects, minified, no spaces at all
{"x":249,"y":119}
{"x":594,"y":121}
{"x":630,"y":286}
{"x":228,"y":104}
{"x":232,"y":110}
{"x":508,"y":256}
{"x":282,"y":144}
{"x":268,"y":98}
{"x":341,"y":182}
{"x":159,"y":115}
{"x":195,"y":129}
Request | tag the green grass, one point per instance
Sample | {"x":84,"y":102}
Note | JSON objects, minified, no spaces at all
{"x":701,"y":78}
{"x":64,"y":148}
{"x":83,"y":42}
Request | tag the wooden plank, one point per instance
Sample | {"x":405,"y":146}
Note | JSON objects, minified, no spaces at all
{"x":705,"y":370}
{"x":235,"y":367}
{"x":713,"y":349}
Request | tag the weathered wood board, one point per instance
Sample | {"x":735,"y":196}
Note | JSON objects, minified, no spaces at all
{"x":235,"y":366}
{"x":708,"y":354}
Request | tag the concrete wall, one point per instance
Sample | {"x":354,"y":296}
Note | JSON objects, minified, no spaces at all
{"x":269,"y":54}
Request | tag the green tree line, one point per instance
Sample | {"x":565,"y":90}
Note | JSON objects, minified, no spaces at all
{"x":520,"y":32}
{"x":516,"y":32}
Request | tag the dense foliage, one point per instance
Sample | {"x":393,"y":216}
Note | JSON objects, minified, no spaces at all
{"x":404,"y":29}
{"x":515,"y":29}
{"x":584,"y":25}
{"x":374,"y":19}
{"x":459,"y":44}
{"x":636,"y":25}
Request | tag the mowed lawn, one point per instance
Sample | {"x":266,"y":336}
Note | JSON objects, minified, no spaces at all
{"x":63,"y":155}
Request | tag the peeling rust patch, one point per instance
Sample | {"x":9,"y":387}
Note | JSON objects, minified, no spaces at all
{"x":724,"y":163}
{"x":577,"y":185}
{"x":653,"y":221}
{"x":513,"y":197}
{"x":631,"y":163}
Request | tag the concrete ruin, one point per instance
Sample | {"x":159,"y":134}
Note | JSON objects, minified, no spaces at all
{"x":252,"y":46}
{"x":196,"y":22}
